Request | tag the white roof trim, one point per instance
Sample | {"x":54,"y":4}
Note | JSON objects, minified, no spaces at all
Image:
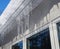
{"x":10,"y":9}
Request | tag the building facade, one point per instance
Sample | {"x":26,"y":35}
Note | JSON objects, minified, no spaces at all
{"x":34,"y":25}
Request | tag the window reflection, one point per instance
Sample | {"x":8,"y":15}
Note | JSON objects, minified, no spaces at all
{"x":18,"y":45}
{"x":39,"y":41}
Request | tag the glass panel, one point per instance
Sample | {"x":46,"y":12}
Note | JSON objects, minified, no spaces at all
{"x":39,"y":41}
{"x":58,"y":28}
{"x":18,"y":45}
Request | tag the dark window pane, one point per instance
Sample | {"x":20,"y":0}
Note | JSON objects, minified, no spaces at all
{"x":58,"y":28}
{"x":18,"y":45}
{"x":39,"y":41}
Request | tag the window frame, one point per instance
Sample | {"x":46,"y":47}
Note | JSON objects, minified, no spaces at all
{"x":55,"y":30}
{"x":16,"y":42}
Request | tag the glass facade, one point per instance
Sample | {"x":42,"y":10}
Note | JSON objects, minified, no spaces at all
{"x":18,"y":45}
{"x":39,"y":41}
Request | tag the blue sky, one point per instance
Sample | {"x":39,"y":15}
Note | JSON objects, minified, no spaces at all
{"x":3,"y":5}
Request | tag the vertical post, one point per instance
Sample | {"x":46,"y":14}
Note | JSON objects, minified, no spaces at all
{"x":18,"y":26}
{"x":24,"y":43}
{"x":52,"y":36}
{"x":55,"y":35}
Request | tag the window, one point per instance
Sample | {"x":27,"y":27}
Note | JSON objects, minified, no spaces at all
{"x":58,"y":28}
{"x":39,"y":41}
{"x":18,"y":45}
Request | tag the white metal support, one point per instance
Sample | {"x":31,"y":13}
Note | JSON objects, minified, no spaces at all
{"x":24,"y":43}
{"x":55,"y":35}
{"x":52,"y":36}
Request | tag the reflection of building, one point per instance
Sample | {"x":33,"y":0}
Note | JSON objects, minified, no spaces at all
{"x":31,"y":19}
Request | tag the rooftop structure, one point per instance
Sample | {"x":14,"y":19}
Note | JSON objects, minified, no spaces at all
{"x":29,"y":22}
